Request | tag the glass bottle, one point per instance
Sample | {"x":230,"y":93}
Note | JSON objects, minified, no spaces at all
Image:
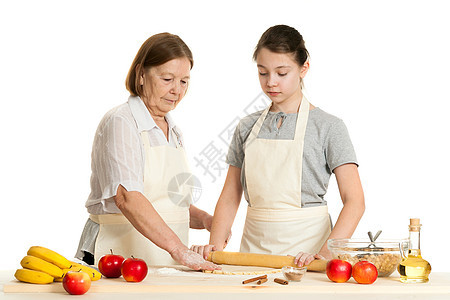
{"x":413,"y":268}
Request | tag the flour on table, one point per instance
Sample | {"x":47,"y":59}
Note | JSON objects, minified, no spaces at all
{"x":168,"y":271}
{"x":243,"y":270}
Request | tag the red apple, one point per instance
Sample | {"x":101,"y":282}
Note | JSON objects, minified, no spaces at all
{"x":339,"y":270}
{"x":109,"y":265}
{"x":365,"y":272}
{"x":76,"y":282}
{"x":134,"y":269}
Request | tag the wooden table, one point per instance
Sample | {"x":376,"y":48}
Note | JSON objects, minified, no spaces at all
{"x":197,"y":285}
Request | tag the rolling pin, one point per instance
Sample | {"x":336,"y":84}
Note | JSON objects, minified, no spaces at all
{"x":262,"y":260}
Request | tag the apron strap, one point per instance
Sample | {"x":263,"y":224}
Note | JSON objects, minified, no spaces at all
{"x":286,"y":215}
{"x":300,"y":128}
{"x":303,"y":114}
{"x":172,"y":217}
{"x":257,"y":127}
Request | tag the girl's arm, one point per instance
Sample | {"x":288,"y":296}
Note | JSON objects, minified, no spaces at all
{"x":226,"y":208}
{"x":224,"y":214}
{"x":352,"y":196}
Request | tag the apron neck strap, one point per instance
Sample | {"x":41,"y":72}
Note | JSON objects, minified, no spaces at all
{"x":257,"y":127}
{"x":302,"y":113}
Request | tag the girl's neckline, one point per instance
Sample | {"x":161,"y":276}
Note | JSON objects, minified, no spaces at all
{"x":290,"y":114}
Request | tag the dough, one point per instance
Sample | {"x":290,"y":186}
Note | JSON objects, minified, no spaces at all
{"x":243,"y":270}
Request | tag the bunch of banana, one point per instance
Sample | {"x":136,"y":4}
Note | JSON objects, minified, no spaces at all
{"x":93,"y":273}
{"x":37,"y":264}
{"x":43,"y":265}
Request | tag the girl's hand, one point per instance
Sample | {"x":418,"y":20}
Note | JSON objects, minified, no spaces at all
{"x":227,"y":240}
{"x":325,"y":253}
{"x":304,"y":258}
{"x":203,"y":250}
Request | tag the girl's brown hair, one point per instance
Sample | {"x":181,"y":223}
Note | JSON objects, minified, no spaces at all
{"x":283,"y":39}
{"x":155,"y":51}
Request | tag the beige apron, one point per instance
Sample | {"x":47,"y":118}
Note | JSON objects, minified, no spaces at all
{"x":162,"y":164}
{"x":276,"y":223}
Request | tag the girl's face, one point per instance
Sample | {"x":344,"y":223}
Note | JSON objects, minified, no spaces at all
{"x":165,"y":85}
{"x":280,"y":76}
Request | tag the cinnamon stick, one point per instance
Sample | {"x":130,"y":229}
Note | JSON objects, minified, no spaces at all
{"x":261,"y":281}
{"x":281,"y":281}
{"x":254,"y":279}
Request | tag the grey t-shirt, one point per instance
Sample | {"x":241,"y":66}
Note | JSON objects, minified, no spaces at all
{"x":327,"y":145}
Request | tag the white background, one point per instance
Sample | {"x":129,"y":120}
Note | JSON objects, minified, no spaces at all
{"x":380,"y":66}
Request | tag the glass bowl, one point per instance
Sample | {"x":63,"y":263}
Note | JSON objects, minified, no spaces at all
{"x":384,"y":254}
{"x":293,"y":273}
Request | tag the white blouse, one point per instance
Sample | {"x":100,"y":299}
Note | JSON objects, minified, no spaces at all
{"x":118,"y":158}
{"x":118,"y":153}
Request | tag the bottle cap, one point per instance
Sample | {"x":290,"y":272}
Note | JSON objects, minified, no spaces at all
{"x":414,"y":224}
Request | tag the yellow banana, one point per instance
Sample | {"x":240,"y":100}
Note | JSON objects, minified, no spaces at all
{"x":35,"y":263}
{"x":93,"y":273}
{"x":59,"y":279}
{"x":32,"y":276}
{"x":50,"y":256}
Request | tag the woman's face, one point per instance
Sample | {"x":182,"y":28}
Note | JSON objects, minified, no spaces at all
{"x":165,"y":85}
{"x":280,"y":75}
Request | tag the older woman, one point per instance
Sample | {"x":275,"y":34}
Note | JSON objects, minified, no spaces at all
{"x":137,"y":151}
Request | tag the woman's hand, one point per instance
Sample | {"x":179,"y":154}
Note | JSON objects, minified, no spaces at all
{"x":304,"y":258}
{"x":199,"y":219}
{"x":192,"y":259}
{"x":203,"y":250}
{"x":207,"y":222}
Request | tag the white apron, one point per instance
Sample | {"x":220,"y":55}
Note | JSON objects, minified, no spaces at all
{"x":162,"y":164}
{"x":276,"y":223}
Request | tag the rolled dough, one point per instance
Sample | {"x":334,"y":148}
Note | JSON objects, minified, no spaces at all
{"x":243,"y":270}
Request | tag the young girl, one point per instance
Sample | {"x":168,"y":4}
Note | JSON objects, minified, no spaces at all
{"x":282,"y":159}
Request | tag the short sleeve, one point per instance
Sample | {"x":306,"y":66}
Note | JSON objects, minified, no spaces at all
{"x":119,"y":158}
{"x":235,"y":156}
{"x":338,"y":146}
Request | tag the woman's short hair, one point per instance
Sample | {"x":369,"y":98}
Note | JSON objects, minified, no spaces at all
{"x":155,"y":51}
{"x":283,"y":39}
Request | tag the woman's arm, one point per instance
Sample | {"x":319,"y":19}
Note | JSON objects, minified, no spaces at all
{"x":141,"y":214}
{"x":352,"y":196}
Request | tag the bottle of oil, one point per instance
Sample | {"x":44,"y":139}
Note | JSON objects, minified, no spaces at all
{"x":414,"y":268}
